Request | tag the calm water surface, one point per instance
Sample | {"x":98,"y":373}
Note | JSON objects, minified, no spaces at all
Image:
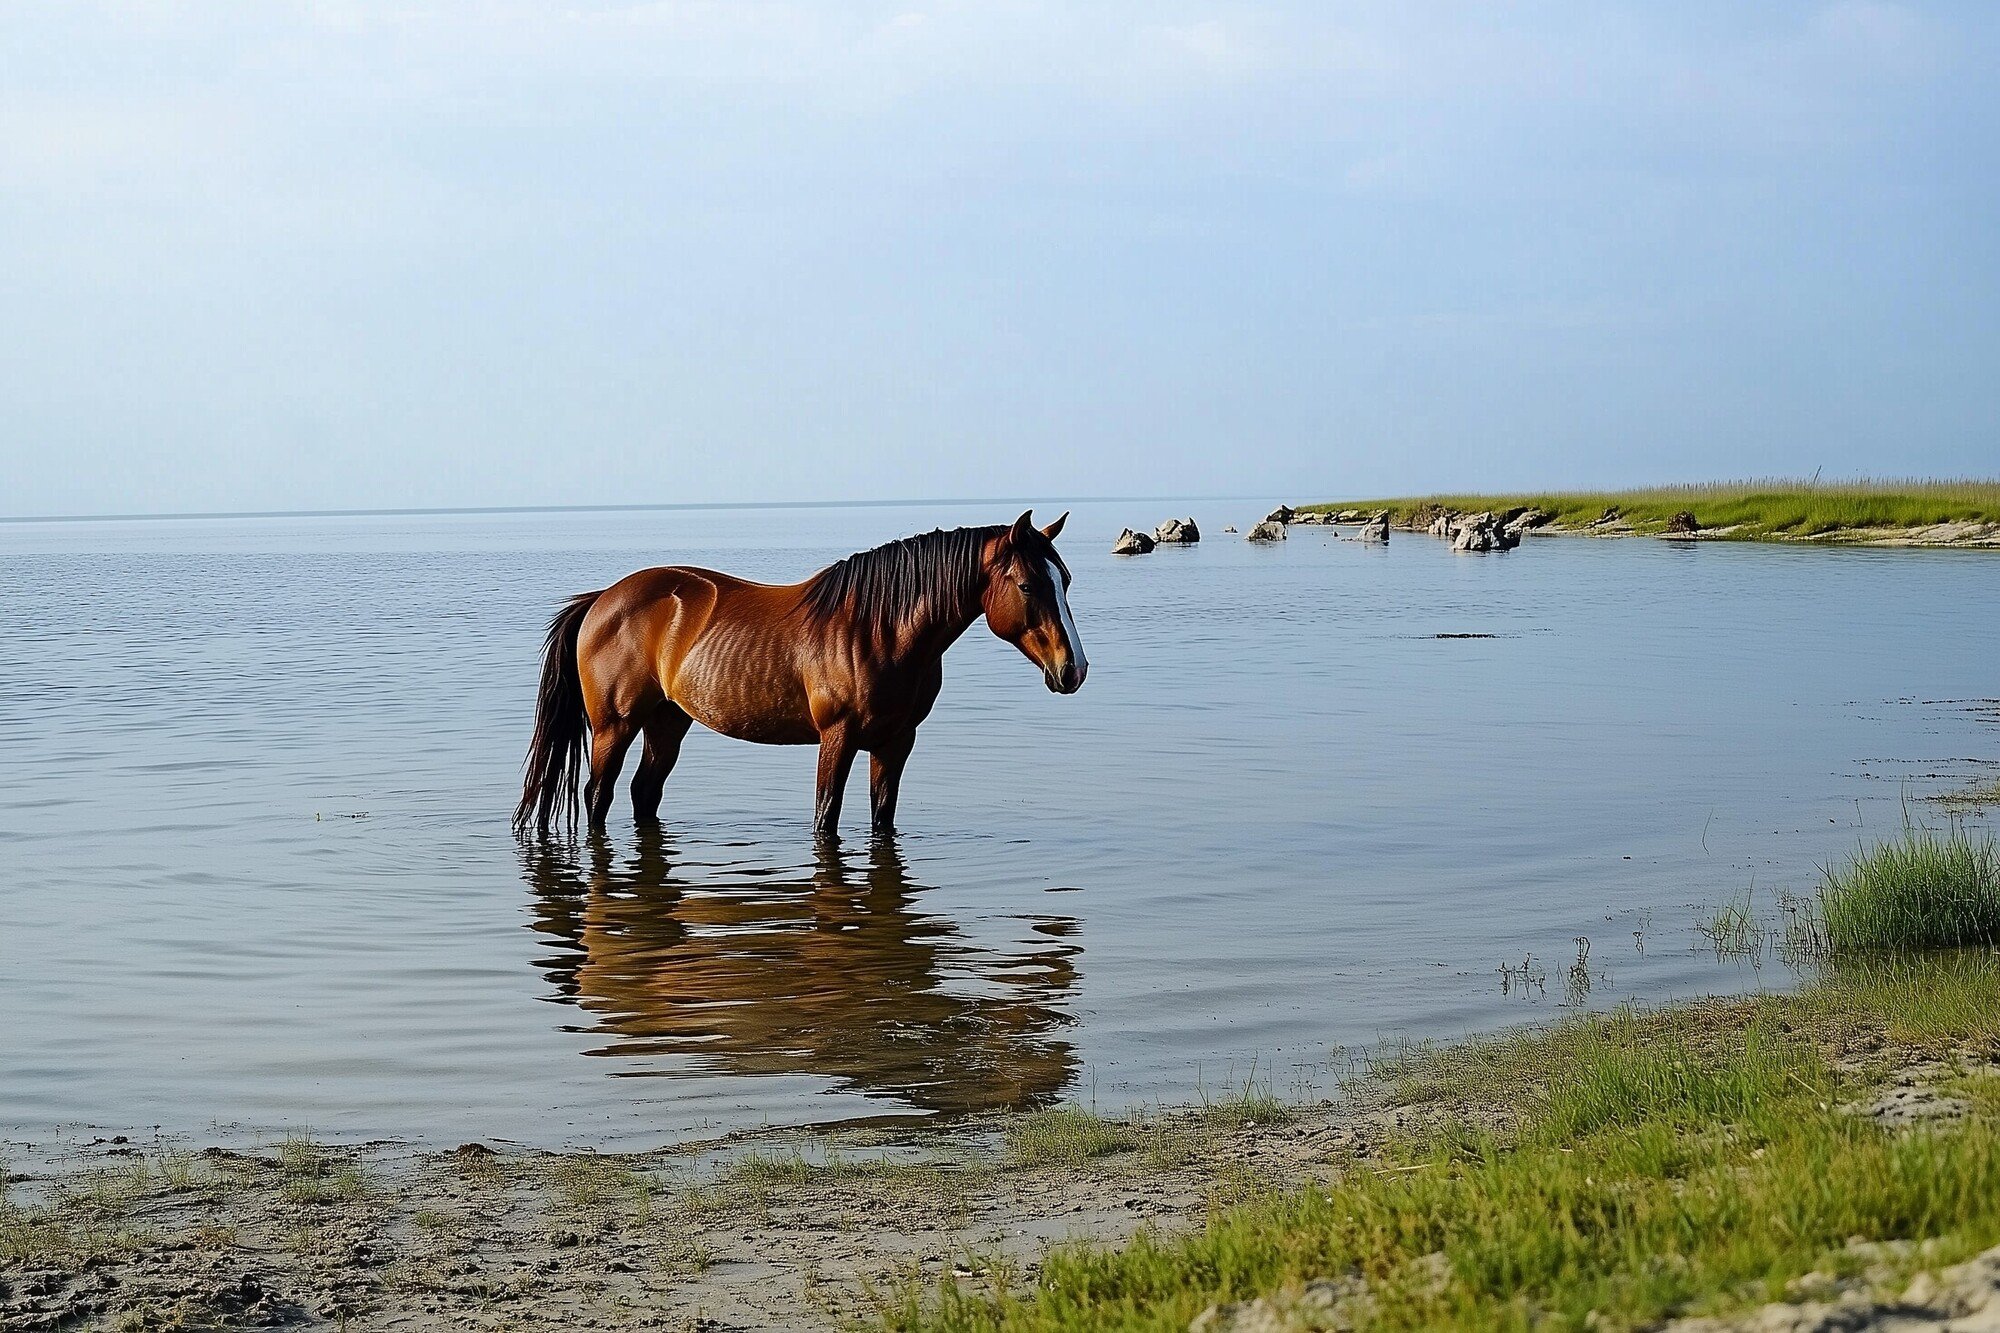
{"x":255,"y":869}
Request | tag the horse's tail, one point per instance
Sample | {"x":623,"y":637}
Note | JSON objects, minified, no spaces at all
{"x":555,"y":755}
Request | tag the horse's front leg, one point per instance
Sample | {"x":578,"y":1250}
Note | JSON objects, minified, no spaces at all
{"x":836,"y":760}
{"x":885,"y":780}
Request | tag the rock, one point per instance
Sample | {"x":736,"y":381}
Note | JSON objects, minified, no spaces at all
{"x":1229,"y":527}
{"x":1324,"y":1303}
{"x":1177,"y":532}
{"x":1282,"y":514}
{"x":1481,"y":532}
{"x":1611,"y":514}
{"x":1527,"y":520}
{"x":1270,"y":530}
{"x":1963,"y":1297}
{"x":1442,"y":522}
{"x":1132,"y":543}
{"x":473,"y":1151}
{"x":1425,"y":516}
{"x":1375,"y":529}
{"x":1475,"y":532}
{"x":1683,"y":522}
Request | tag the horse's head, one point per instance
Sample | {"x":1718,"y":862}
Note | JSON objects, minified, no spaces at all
{"x":1027,"y":601}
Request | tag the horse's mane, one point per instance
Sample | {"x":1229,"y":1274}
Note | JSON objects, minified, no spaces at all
{"x":883,"y":587}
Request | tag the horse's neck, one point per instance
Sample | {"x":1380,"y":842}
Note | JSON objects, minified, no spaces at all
{"x":933,"y":628}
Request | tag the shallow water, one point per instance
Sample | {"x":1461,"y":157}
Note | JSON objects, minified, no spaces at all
{"x":255,"y":778}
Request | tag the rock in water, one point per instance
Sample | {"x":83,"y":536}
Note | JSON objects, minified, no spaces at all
{"x":1683,"y":523}
{"x":1270,"y":530}
{"x":1482,"y":532}
{"x":1375,"y":529}
{"x":1131,"y":543}
{"x":1282,"y":514}
{"x":1178,"y":532}
{"x":1527,"y":520}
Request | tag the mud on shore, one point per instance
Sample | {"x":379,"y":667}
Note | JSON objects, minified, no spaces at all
{"x":754,"y":1231}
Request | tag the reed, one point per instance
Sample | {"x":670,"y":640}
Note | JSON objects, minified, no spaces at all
{"x":1923,"y":890}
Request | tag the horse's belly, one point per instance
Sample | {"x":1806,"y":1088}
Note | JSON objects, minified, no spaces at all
{"x":748,"y":700}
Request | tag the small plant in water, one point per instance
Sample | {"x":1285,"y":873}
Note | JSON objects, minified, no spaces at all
{"x":1577,"y":980}
{"x":1732,"y":931}
{"x":1530,"y":975}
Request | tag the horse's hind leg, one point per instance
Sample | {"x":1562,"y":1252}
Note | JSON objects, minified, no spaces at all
{"x":608,"y":744}
{"x":664,"y":731}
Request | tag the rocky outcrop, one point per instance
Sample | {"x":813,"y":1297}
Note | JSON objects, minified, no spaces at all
{"x":1964,"y":1297}
{"x":1177,"y":532}
{"x":1270,"y":530}
{"x":1612,"y":517}
{"x":1527,"y":520}
{"x":1282,"y":514}
{"x":1132,"y":543}
{"x":1375,"y":529}
{"x":1480,"y":532}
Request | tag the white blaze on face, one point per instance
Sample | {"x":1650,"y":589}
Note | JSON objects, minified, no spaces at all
{"x":1069,"y":626}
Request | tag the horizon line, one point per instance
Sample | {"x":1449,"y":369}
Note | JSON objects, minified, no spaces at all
{"x":683,"y":505}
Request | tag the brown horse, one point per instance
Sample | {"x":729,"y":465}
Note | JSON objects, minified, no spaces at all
{"x":851,"y":659}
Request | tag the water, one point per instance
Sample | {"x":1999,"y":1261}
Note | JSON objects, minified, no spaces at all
{"x":255,"y":870}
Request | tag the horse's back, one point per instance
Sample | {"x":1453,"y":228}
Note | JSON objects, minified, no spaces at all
{"x":719,"y":646}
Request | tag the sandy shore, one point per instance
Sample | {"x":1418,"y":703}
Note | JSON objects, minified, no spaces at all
{"x":790,"y":1230}
{"x":757,"y":1231}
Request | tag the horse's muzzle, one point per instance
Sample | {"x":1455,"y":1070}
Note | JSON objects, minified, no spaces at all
{"x":1067,"y":679}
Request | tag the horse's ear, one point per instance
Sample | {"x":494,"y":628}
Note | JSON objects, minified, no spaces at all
{"x":1024,"y":528}
{"x":1054,"y":530}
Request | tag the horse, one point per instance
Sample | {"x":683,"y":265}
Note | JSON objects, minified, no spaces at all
{"x":851,"y":660}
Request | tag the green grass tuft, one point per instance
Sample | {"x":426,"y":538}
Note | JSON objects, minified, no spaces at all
{"x":1065,"y":1136}
{"x":1925,"y":890}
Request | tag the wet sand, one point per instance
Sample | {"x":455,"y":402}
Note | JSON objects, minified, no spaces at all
{"x":755,"y":1231}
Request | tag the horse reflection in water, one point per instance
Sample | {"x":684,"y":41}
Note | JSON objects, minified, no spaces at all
{"x":834,"y":974}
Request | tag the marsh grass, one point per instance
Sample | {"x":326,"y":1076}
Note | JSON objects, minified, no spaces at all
{"x":1979,"y":796}
{"x":1654,"y":1163}
{"x":1924,"y":890}
{"x":1066,"y":1136}
{"x":585,"y":1182}
{"x":1763,"y":507}
{"x":310,"y":1173}
{"x":1734,"y":931}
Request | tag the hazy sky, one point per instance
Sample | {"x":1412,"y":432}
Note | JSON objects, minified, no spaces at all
{"x":341,"y":254}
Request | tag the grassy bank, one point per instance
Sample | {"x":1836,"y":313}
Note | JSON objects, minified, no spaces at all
{"x":1766,"y":508}
{"x":1617,"y":1171}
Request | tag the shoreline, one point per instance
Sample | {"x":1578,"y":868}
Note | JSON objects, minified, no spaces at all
{"x":1939,"y":515}
{"x":914,"y":1227}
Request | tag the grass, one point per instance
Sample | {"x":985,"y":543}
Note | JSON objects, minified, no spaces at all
{"x":1065,"y":1136}
{"x":1925,"y":890}
{"x":1607,"y":1171}
{"x":1769,"y":507}
{"x":310,"y":1172}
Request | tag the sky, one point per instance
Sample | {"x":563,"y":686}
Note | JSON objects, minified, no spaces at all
{"x":334,"y":254}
